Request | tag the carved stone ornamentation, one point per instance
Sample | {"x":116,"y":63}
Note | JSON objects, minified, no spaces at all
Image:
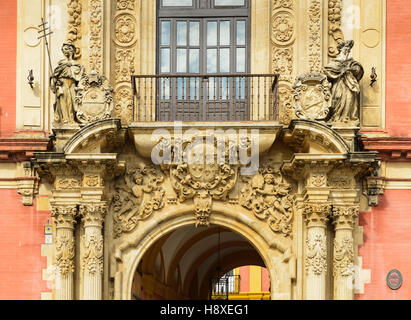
{"x":316,"y":213}
{"x":344,"y":215}
{"x":93,"y":254}
{"x":283,"y":28}
{"x":312,"y":96}
{"x":63,"y":83}
{"x":270,"y":199}
{"x":65,"y":254}
{"x":93,"y":213}
{"x":94,"y":100}
{"x":343,"y":264}
{"x":316,"y":255}
{"x":334,"y":27}
{"x":125,"y":29}
{"x":96,"y":35}
{"x":345,"y":74}
{"x":314,"y":36}
{"x":126,"y":4}
{"x":74,"y":11}
{"x":138,"y":194}
{"x":64,"y":215}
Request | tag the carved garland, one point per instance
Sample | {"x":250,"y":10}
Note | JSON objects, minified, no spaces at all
{"x":314,"y":36}
{"x":343,"y":257}
{"x":334,"y":27}
{"x":65,"y":254}
{"x":96,"y":35}
{"x":316,"y":256}
{"x":93,"y":254}
{"x":74,"y":24}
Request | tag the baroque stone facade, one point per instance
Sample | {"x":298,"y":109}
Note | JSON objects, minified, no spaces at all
{"x":111,"y":202}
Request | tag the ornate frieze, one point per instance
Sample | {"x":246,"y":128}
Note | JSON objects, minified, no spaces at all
{"x":316,"y":254}
{"x":270,"y":199}
{"x":92,"y":259}
{"x":343,"y":263}
{"x":64,"y":246}
{"x":137,"y":195}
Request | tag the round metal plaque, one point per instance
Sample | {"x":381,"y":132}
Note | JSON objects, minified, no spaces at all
{"x":394,"y":279}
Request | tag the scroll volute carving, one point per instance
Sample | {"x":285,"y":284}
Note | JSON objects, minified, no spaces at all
{"x":270,"y":198}
{"x":137,"y":195}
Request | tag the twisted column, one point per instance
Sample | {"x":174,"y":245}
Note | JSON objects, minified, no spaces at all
{"x":344,"y":217}
{"x":316,"y":217}
{"x":64,"y":218}
{"x":92,"y":215}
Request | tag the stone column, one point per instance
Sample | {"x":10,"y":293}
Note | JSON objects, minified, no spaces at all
{"x":344,"y":216}
{"x":64,"y":216}
{"x":316,"y":217}
{"x":92,"y":259}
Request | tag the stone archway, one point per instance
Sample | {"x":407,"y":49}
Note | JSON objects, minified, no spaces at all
{"x":129,"y":254}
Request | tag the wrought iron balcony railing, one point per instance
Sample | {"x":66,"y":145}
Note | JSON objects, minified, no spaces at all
{"x":222,"y":287}
{"x":205,"y":97}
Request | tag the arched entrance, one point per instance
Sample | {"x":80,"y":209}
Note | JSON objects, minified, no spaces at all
{"x":185,"y":264}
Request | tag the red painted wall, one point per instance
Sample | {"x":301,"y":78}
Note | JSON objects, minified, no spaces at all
{"x":21,"y":236}
{"x":398,"y":79}
{"x":387,"y":245}
{"x":245,"y":279}
{"x":8,"y":53}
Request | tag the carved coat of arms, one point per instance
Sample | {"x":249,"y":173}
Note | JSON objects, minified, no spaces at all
{"x":312,"y":96}
{"x":94,"y":100}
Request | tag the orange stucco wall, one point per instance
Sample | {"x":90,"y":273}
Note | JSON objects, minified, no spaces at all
{"x":398,"y":78}
{"x":387,"y":244}
{"x":8,"y":51}
{"x":21,"y":236}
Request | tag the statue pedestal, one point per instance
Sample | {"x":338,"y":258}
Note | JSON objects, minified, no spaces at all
{"x":63,"y":134}
{"x":348,"y":134}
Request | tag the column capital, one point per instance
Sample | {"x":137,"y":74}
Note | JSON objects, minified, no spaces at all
{"x":344,"y":215}
{"x":64,"y":215}
{"x":316,"y":213}
{"x":93,"y":214}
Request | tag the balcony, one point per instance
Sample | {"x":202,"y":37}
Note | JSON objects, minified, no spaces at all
{"x":205,"y":97}
{"x":221,"y":288}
